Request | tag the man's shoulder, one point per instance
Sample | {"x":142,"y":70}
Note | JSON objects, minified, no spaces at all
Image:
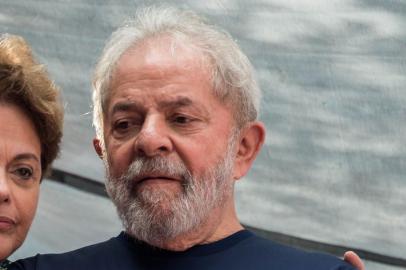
{"x":102,"y":255}
{"x":247,"y":251}
{"x":267,"y":254}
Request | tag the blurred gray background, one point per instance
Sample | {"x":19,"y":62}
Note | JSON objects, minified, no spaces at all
{"x":333,"y":75}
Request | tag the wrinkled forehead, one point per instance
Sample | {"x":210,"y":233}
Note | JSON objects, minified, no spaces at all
{"x":164,"y":54}
{"x":159,"y":57}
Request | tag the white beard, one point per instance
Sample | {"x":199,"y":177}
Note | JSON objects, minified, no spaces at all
{"x":157,"y":216}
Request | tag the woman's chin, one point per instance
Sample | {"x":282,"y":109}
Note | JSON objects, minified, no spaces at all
{"x":8,"y":246}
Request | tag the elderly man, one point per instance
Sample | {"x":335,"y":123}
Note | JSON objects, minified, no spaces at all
{"x":175,"y":111}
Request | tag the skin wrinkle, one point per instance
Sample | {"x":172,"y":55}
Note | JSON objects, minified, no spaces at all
{"x":175,"y":102}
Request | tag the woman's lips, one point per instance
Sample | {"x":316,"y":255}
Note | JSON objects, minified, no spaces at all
{"x":6,"y":223}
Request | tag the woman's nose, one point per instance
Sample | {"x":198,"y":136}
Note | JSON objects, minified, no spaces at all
{"x":4,"y":188}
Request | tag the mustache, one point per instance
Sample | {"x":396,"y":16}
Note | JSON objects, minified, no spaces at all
{"x":156,"y":165}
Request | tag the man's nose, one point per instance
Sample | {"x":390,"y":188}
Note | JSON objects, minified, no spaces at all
{"x":154,"y":138}
{"x":4,"y":188}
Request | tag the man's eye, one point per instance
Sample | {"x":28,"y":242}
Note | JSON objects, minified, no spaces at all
{"x":181,"y":119}
{"x":122,"y":125}
{"x":24,"y":173}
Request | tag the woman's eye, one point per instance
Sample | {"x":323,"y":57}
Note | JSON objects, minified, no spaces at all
{"x":24,"y":173}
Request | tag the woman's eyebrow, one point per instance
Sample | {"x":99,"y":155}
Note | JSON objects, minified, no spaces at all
{"x":25,"y":156}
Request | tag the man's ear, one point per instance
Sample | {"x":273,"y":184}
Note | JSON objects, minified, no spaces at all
{"x":250,"y":142}
{"x":97,"y":147}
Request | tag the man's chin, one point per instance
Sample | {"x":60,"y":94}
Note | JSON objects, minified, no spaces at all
{"x":156,"y":198}
{"x":158,"y":190}
{"x":161,"y":183}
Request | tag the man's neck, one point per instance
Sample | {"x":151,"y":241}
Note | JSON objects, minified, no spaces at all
{"x":217,"y":227}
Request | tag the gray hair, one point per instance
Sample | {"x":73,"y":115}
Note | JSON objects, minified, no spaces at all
{"x":231,"y":71}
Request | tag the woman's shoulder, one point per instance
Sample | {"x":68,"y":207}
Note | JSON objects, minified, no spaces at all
{"x":89,"y":257}
{"x":4,"y":265}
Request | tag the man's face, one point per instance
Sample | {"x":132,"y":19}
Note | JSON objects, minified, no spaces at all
{"x":169,"y":152}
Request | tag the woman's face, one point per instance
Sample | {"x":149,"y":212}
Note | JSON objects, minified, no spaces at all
{"x":20,"y":174}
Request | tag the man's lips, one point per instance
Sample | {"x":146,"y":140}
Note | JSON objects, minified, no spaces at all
{"x":155,"y":177}
{"x":147,"y":178}
{"x":6,"y":223}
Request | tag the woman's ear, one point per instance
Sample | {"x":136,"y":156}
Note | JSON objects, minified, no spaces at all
{"x":250,"y":142}
{"x":97,"y":147}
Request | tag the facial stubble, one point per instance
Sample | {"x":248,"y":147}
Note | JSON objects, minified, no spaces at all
{"x":156,"y":215}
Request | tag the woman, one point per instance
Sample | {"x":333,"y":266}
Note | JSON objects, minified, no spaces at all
{"x":30,"y":133}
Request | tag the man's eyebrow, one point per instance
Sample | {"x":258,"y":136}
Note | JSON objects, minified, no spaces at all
{"x":25,"y":156}
{"x":172,"y":102}
{"x":125,"y":106}
{"x":176,"y":102}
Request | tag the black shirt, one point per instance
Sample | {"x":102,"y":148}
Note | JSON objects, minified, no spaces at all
{"x":242,"y":250}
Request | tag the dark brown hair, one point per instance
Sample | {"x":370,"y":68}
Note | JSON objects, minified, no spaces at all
{"x":26,"y":84}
